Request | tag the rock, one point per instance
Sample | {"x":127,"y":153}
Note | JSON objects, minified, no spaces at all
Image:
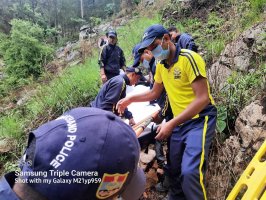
{"x":74,"y":55}
{"x":148,"y":2}
{"x":147,"y":157}
{"x":239,"y":54}
{"x":251,"y":124}
{"x":6,"y":145}
{"x":25,"y":97}
{"x":218,"y":74}
{"x":60,"y":52}
{"x":86,"y":32}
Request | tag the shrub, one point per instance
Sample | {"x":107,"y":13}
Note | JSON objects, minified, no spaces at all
{"x":25,"y":52}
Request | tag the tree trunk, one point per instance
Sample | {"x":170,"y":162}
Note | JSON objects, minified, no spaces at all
{"x":81,"y":8}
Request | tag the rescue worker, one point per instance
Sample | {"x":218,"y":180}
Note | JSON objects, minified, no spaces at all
{"x":87,"y":153}
{"x":183,"y":75}
{"x":111,"y":58}
{"x":183,"y":40}
{"x":114,"y":90}
{"x":147,"y":60}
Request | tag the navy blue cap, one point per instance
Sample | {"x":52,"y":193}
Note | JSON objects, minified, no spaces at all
{"x":95,"y":147}
{"x":134,"y":69}
{"x":150,"y":34}
{"x":112,"y":33}
{"x":136,"y":55}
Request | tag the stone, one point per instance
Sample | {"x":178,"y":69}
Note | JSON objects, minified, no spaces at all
{"x":251,"y":124}
{"x":147,"y":157}
{"x":5,"y":145}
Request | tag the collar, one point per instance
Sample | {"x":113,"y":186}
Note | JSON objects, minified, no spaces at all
{"x":177,"y":38}
{"x":126,"y":79}
{"x":175,"y":59}
{"x":112,"y":45}
{"x":6,"y":184}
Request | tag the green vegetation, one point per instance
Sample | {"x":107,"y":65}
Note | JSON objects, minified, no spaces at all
{"x":131,"y":34}
{"x":25,"y":53}
{"x":252,"y":11}
{"x":241,"y":89}
{"x":78,"y":85}
{"x":212,"y":34}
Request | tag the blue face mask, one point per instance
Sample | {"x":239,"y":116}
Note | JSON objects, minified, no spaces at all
{"x":159,"y":53}
{"x":146,"y":64}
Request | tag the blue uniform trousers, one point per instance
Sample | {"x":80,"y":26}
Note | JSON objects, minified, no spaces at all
{"x":189,"y":147}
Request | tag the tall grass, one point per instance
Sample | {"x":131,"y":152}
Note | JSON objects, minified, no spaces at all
{"x":132,"y":33}
{"x":254,"y":14}
{"x":76,"y":86}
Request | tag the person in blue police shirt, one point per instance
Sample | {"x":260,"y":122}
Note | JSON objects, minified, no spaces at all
{"x":95,"y":152}
{"x":114,"y":90}
{"x":112,"y":58}
{"x":183,"y":40}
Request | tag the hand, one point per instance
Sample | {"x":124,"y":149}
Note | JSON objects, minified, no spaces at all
{"x":157,"y":119}
{"x":122,"y":104}
{"x":148,"y":55}
{"x":132,"y":122}
{"x":104,"y":78}
{"x":164,"y":131}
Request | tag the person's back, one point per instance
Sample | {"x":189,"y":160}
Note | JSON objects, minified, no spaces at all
{"x":183,"y":40}
{"x":112,"y":91}
{"x":115,"y":89}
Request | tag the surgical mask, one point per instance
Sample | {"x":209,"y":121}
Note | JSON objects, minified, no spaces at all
{"x":146,"y":64}
{"x":159,"y":53}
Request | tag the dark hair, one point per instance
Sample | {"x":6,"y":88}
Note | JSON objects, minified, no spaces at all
{"x":172,"y":28}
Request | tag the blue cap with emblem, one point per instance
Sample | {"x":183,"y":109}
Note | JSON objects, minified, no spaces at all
{"x":150,"y":34}
{"x":136,"y":55}
{"x":134,"y":69}
{"x":112,"y":34}
{"x":95,"y":152}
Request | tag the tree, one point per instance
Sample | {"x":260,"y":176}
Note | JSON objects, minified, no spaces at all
{"x":25,"y":52}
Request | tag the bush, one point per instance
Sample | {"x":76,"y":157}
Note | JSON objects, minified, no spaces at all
{"x":25,"y":52}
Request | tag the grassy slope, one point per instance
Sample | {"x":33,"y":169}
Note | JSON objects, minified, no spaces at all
{"x":76,"y":86}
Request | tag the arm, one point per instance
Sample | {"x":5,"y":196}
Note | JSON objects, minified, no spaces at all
{"x":102,"y":62}
{"x":145,"y":96}
{"x":129,"y":116}
{"x":200,"y":89}
{"x":122,"y":61}
{"x":111,"y":96}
